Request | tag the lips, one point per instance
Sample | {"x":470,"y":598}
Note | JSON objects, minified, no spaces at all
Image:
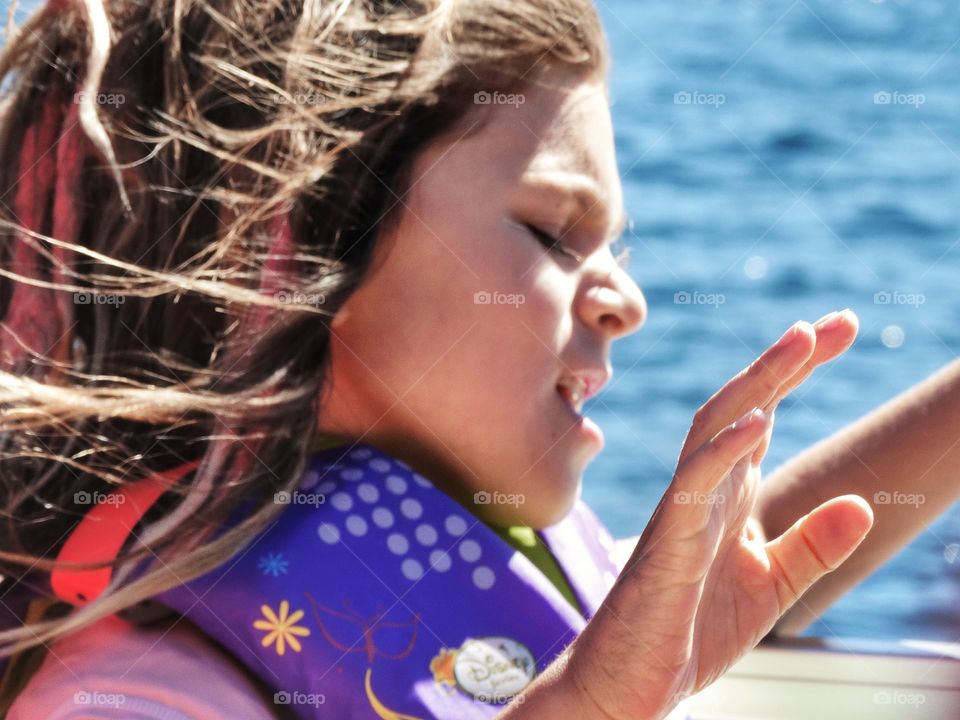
{"x":575,"y":387}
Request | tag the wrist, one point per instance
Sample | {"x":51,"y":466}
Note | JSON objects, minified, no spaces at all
{"x":601,"y":688}
{"x":557,"y":692}
{"x":571,"y":688}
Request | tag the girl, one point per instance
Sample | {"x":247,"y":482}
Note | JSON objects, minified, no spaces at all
{"x":301,"y":303}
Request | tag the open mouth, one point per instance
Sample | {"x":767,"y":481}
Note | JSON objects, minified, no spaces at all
{"x":575,"y":388}
{"x":573,"y":392}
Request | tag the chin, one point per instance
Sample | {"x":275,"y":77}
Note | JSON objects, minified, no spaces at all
{"x":552,"y":516}
{"x":540,"y":510}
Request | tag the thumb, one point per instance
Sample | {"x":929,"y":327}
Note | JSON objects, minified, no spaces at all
{"x":816,"y":544}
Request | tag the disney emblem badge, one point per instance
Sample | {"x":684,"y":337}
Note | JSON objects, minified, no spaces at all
{"x":490,"y":669}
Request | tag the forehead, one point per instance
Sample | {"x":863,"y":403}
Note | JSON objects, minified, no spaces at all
{"x":563,"y":130}
{"x":568,"y":131}
{"x":555,"y":131}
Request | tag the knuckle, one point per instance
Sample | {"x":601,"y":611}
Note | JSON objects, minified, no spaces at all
{"x":701,"y":418}
{"x":765,"y":380}
{"x":754,"y":369}
{"x":787,"y":590}
{"x":816,"y":557}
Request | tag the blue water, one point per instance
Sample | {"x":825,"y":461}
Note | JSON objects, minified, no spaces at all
{"x":797,"y":195}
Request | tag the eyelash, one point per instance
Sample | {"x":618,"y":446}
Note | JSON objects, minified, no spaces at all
{"x":619,"y":249}
{"x":552,"y":243}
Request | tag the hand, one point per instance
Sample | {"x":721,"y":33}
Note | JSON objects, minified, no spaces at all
{"x":703,"y":585}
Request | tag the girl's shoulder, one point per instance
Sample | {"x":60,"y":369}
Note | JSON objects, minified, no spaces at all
{"x":117,"y":669}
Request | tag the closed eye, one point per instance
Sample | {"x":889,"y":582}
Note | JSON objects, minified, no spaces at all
{"x":552,"y":243}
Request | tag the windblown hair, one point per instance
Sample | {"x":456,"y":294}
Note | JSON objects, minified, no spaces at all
{"x":189,"y":190}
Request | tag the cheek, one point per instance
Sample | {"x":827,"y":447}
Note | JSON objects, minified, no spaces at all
{"x":468,"y":329}
{"x":528,"y":318}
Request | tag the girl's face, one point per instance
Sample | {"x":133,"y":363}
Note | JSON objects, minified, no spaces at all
{"x":463,"y":351}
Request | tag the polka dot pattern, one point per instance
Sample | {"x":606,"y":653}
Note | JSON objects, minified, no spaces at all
{"x":382,"y":517}
{"x":368,"y":492}
{"x":310,"y":479}
{"x":380,"y":465}
{"x":328,"y":533}
{"x":396,"y":484}
{"x":412,"y":569}
{"x":398,"y":544}
{"x":455,"y":525}
{"x":470,"y":550}
{"x":422,"y":481}
{"x":440,"y":561}
{"x":411,"y":508}
{"x":341,"y":501}
{"x":483,"y":577}
{"x":376,"y":499}
{"x":326,"y":487}
{"x":426,"y":535}
{"x":387,"y":557}
{"x":356,"y":525}
{"x":378,"y":535}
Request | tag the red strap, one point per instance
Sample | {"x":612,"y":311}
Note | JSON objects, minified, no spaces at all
{"x":102,"y":533}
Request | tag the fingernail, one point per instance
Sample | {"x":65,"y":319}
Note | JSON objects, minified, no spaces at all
{"x":747,"y":418}
{"x":788,"y":336}
{"x":831,"y":321}
{"x":825,"y":319}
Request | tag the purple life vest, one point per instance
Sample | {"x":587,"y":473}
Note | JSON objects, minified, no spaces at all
{"x":377,"y":595}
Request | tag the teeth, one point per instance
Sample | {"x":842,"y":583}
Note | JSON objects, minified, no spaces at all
{"x":573,"y":391}
{"x":576,"y":397}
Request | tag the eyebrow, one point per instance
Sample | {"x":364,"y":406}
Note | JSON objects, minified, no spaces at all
{"x":583,"y":191}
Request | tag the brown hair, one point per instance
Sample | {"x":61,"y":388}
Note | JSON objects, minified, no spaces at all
{"x":188,"y":191}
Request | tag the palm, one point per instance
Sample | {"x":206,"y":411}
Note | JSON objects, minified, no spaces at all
{"x":739,"y":586}
{"x":704,"y":584}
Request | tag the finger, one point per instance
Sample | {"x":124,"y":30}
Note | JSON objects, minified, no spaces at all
{"x":761,"y":450}
{"x":714,"y":460}
{"x":686,"y":506}
{"x":835,"y":334}
{"x":816,"y":544}
{"x":755,"y":386}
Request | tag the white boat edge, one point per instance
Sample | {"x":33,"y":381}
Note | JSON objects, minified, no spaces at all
{"x":834,"y":679}
{"x":830,"y":679}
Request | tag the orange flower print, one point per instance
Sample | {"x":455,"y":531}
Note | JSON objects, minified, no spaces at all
{"x":283,"y":629}
{"x":442,"y":667}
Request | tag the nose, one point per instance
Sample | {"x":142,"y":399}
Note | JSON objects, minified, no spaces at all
{"x":614,"y":306}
